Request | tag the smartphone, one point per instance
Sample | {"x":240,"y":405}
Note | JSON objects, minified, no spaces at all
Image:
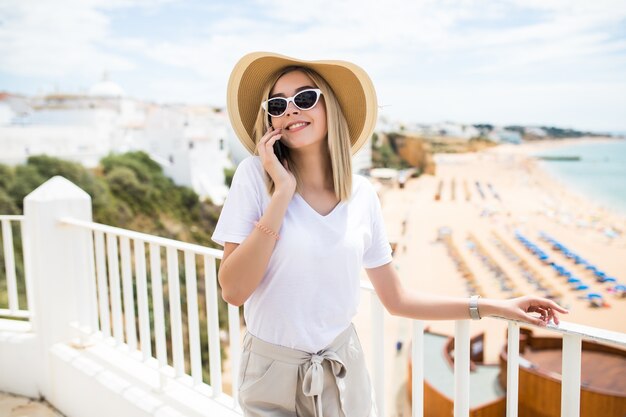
{"x":280,"y":150}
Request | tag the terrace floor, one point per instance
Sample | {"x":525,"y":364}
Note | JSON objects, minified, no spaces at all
{"x":17,"y":406}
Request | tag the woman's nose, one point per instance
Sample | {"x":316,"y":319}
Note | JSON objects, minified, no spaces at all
{"x":291,"y":108}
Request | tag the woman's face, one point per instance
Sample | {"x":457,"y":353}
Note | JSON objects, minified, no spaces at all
{"x":315,"y":129}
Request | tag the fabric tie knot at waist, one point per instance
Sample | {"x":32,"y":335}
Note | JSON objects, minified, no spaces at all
{"x":313,"y":381}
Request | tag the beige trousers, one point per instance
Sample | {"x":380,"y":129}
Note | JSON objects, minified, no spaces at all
{"x":278,"y":381}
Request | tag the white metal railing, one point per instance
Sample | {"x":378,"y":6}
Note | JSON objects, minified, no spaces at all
{"x":13,"y":310}
{"x":116,"y":261}
{"x":573,"y":334}
{"x":113,"y":260}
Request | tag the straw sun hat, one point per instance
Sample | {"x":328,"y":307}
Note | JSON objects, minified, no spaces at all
{"x":350,"y":83}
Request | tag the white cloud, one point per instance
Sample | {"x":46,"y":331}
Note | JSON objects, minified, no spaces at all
{"x":413,"y":42}
{"x":594,"y":105}
{"x":61,"y":38}
{"x":39,"y":39}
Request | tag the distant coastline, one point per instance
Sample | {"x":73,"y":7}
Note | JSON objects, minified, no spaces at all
{"x":602,"y":180}
{"x":558,"y":158}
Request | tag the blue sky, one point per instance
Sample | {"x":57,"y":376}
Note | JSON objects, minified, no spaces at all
{"x":543,"y":62}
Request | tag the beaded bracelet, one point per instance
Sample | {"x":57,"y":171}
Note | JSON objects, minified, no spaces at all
{"x":266,"y":230}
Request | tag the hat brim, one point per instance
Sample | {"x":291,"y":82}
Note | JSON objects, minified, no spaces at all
{"x":352,"y":86}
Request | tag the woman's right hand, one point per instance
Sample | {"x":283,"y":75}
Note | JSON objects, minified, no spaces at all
{"x":279,"y":172}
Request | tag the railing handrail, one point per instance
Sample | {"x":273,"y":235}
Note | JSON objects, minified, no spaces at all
{"x":564,"y":327}
{"x":586,"y":332}
{"x":177,"y":244}
{"x":11,"y":217}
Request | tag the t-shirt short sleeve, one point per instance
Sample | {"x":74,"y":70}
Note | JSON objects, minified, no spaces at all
{"x":243,"y":204}
{"x":378,"y":252}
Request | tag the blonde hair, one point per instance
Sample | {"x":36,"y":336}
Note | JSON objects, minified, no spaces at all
{"x":338,"y":139}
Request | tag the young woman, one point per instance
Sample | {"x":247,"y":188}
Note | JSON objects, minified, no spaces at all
{"x":298,"y":227}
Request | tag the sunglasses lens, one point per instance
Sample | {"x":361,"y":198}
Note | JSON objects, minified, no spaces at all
{"x":306,"y":99}
{"x":276,"y":106}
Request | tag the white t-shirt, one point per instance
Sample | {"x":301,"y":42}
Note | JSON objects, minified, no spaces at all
{"x":310,"y":290}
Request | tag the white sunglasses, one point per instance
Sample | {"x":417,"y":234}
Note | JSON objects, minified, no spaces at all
{"x":304,"y":100}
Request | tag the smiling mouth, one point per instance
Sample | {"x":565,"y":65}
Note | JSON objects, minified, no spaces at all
{"x":297,"y":126}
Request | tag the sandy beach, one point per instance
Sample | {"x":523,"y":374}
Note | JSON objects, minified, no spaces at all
{"x":518,"y":196}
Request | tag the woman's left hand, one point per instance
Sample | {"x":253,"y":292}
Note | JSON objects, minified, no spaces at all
{"x":522,"y":308}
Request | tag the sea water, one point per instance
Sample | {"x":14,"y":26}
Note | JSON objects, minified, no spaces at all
{"x":600,"y":174}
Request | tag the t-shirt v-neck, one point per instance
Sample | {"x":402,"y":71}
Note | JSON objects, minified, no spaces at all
{"x":306,"y":203}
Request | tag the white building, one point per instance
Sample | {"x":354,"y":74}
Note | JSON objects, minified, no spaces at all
{"x":447,"y":129}
{"x":535,"y":131}
{"x":78,"y":127}
{"x":191,"y":144}
{"x":456,"y":130}
{"x":362,"y":160}
{"x":501,"y":135}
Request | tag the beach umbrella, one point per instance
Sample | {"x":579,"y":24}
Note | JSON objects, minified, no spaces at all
{"x":594,"y":295}
{"x":573,"y":280}
{"x":610,"y":279}
{"x":582,"y":287}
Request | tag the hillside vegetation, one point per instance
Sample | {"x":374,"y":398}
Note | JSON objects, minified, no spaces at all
{"x":127,"y":190}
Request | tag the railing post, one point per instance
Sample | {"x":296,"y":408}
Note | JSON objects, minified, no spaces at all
{"x":234,"y":333}
{"x":213,"y":327}
{"x":461,"y":368}
{"x":512,"y":370}
{"x":570,"y":376}
{"x":9,"y":263}
{"x":417,"y":369}
{"x":378,"y":348}
{"x":58,"y":258}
